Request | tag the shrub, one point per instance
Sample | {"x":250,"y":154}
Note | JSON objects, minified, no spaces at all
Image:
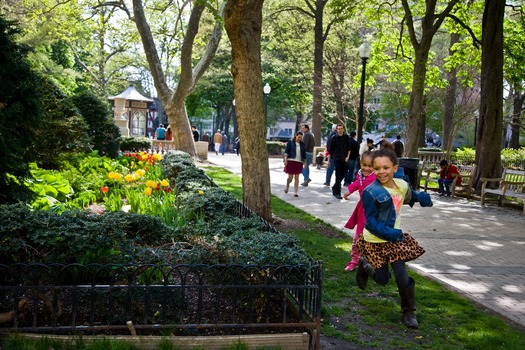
{"x":275,"y":147}
{"x":134,"y":144}
{"x":103,"y":133}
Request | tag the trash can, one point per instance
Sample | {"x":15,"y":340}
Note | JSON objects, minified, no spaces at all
{"x":410,"y":169}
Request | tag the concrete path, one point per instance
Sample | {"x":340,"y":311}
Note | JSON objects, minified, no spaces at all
{"x":478,"y":252}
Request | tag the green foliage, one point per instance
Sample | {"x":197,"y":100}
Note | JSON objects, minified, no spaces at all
{"x":64,"y":132}
{"x":275,"y":148}
{"x":19,"y":115}
{"x":134,"y":144}
{"x":103,"y":132}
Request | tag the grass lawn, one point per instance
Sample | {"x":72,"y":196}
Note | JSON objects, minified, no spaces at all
{"x":370,"y":319}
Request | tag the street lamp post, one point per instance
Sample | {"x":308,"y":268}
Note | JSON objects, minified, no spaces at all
{"x":364,"y":53}
{"x":266,"y":89}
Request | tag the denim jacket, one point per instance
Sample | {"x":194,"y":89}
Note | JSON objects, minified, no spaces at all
{"x":290,"y":150}
{"x":380,"y":212}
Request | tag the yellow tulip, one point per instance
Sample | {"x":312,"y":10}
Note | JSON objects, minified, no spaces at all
{"x":148,"y":191}
{"x":165,"y":183}
{"x":157,"y":157}
{"x":141,"y":172}
{"x":201,"y":192}
{"x":128,"y":178}
{"x":144,"y":156}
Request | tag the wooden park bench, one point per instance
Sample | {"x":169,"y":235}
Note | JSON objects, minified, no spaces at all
{"x":465,"y":171}
{"x":510,"y":184}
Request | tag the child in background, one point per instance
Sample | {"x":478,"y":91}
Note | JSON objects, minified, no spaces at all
{"x":383,"y":242}
{"x":365,"y":176}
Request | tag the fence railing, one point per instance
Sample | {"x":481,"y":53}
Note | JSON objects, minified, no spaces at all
{"x":186,"y":299}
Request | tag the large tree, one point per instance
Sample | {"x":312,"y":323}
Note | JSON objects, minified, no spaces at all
{"x":488,"y":139}
{"x":174,"y":100}
{"x":421,"y":39}
{"x":243,"y":21}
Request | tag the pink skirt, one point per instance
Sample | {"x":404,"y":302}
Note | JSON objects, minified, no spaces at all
{"x":293,"y":167}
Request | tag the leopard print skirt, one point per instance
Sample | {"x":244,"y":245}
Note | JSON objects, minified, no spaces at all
{"x":379,"y":254}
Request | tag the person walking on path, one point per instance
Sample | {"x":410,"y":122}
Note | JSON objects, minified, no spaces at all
{"x":339,"y":151}
{"x":217,"y":140}
{"x":399,"y":147}
{"x":195,"y":132}
{"x":309,"y":143}
{"x":354,"y":157}
{"x":448,"y":174}
{"x":330,"y":168}
{"x":294,"y":161}
{"x":383,"y":242}
{"x":238,"y":145}
{"x":365,"y":176}
{"x":225,"y":142}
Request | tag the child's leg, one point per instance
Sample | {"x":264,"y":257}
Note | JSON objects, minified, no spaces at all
{"x":406,"y":286}
{"x":352,"y":264}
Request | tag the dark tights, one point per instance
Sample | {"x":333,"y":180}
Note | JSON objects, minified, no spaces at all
{"x":382,"y":275}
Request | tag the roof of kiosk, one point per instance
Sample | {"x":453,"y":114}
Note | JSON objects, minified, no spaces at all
{"x":131,"y":94}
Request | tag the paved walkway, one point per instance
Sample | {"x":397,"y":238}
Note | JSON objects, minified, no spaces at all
{"x":479,"y":252}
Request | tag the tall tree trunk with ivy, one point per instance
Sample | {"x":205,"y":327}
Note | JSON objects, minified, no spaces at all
{"x":243,"y":21}
{"x":488,"y":138}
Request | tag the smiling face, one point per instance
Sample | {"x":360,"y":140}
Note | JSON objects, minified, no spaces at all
{"x":366,"y":165}
{"x":384,"y":169}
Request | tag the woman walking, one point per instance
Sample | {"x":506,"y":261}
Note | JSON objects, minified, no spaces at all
{"x":294,"y":161}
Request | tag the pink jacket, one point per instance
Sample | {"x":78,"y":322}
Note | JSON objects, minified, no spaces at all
{"x":358,"y":216}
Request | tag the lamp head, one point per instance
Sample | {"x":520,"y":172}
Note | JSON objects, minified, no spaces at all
{"x":364,"y":50}
{"x":267,"y":89}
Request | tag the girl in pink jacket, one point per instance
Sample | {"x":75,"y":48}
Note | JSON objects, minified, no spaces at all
{"x":365,"y":176}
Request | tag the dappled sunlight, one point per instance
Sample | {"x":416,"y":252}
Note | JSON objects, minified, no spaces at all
{"x":485,"y":245}
{"x":457,"y":253}
{"x":513,"y":288}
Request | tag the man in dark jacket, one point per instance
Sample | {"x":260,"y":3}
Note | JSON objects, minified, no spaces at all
{"x":339,"y":151}
{"x":309,"y":143}
{"x":354,"y":158}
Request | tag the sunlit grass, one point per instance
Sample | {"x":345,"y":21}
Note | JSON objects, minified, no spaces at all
{"x":447,"y":320}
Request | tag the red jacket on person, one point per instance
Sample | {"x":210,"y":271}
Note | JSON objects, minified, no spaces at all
{"x":448,"y":173}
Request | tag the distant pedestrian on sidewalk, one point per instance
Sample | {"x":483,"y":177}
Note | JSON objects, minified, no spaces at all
{"x":352,"y":161}
{"x":330,"y":166}
{"x":309,"y":143}
{"x":448,"y":174}
{"x":217,"y":141}
{"x":365,"y":176}
{"x":294,"y":161}
{"x":399,"y":146}
{"x":383,"y":242}
{"x":339,"y":151}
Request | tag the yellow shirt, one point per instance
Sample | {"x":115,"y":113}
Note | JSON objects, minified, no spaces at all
{"x":398,"y":195}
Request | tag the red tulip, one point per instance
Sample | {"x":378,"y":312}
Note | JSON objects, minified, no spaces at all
{"x":104,"y":189}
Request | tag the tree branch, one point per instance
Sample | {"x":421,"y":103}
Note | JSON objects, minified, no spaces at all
{"x":150,"y":50}
{"x":475,"y":41}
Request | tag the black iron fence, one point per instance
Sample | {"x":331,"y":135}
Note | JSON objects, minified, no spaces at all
{"x":186,"y":299}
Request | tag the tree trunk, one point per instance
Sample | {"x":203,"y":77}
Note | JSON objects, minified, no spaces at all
{"x":243,"y":20}
{"x":488,"y":138}
{"x":450,"y":101}
{"x":421,"y":39}
{"x":175,"y":101}
{"x":415,"y":106}
{"x":319,"y":39}
{"x":517,"y":107}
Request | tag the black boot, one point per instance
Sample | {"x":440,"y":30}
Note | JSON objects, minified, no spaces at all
{"x":408,"y":304}
{"x":364,"y":270}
